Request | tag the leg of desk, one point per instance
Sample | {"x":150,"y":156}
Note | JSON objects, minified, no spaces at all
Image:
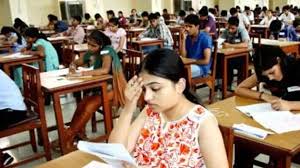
{"x":245,"y":67}
{"x":108,"y":122}
{"x":284,"y":162}
{"x":59,"y":122}
{"x":224,"y":82}
{"x":41,"y":65}
{"x":6,"y":69}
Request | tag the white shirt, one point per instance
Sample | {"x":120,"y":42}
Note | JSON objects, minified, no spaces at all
{"x":267,"y":21}
{"x":10,"y":95}
{"x":77,"y":34}
{"x":115,"y":37}
{"x":249,"y":16}
{"x":287,"y":19}
{"x":243,"y":20}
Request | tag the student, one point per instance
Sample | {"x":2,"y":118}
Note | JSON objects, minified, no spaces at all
{"x":243,"y":20}
{"x":235,"y":37}
{"x":192,"y":11}
{"x":20,"y":26}
{"x":13,"y":37}
{"x":207,"y":23}
{"x":104,"y":60}
{"x":99,"y":21}
{"x":133,"y":17}
{"x":76,"y":31}
{"x":173,"y":130}
{"x":196,"y":45}
{"x":110,"y":14}
{"x":267,"y":19}
{"x":117,"y":35}
{"x":290,"y":31}
{"x":58,"y":25}
{"x":166,"y":15}
{"x":157,"y":30}
{"x":88,"y":20}
{"x":286,"y":17}
{"x":12,"y":107}
{"x":39,"y":45}
{"x":249,"y":14}
{"x":145,"y":20}
{"x":122,"y":19}
{"x":180,"y":18}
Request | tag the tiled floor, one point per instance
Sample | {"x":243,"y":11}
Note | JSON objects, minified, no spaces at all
{"x":68,"y":109}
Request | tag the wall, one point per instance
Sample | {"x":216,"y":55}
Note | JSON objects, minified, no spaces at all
{"x":226,"y":4}
{"x":251,"y":3}
{"x":280,"y":3}
{"x":5,"y":14}
{"x":142,"y":5}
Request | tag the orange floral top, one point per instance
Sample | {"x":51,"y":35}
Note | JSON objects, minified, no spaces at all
{"x":171,"y":145}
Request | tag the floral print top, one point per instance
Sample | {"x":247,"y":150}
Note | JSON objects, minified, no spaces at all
{"x":171,"y":144}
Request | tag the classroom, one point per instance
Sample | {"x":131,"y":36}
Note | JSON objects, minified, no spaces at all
{"x":150,"y":83}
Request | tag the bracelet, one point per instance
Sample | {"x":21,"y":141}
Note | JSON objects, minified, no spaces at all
{"x":260,"y":95}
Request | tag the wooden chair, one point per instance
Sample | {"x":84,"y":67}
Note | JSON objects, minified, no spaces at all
{"x":209,"y":80}
{"x":34,"y":101}
{"x":228,"y":138}
{"x":68,"y":54}
{"x":131,"y":62}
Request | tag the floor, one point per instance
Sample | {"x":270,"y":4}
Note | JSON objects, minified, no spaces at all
{"x":68,"y":108}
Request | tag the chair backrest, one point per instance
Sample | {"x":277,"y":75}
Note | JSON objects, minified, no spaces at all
{"x":33,"y":97}
{"x":131,"y":62}
{"x":228,"y":138}
{"x":68,"y":53}
{"x":214,"y":59}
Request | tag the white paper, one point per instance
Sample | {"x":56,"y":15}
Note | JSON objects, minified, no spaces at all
{"x":293,"y":88}
{"x":148,"y":39}
{"x":95,"y":164}
{"x":253,"y":108}
{"x":114,"y":154}
{"x":251,"y":131}
{"x":16,"y":55}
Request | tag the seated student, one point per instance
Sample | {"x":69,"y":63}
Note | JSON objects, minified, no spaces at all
{"x":173,"y":130}
{"x":76,"y":31}
{"x":290,"y":31}
{"x":166,"y":15}
{"x":180,"y":18}
{"x":235,"y":37}
{"x":117,"y":35}
{"x":145,"y":20}
{"x":243,"y":20}
{"x":267,"y":19}
{"x":122,"y":19}
{"x":20,"y":26}
{"x":196,"y":45}
{"x":39,"y":45}
{"x":58,"y":25}
{"x":104,"y":60}
{"x":99,"y":21}
{"x":12,"y":107}
{"x":133,"y":17}
{"x":88,"y":20}
{"x":249,"y":14}
{"x":207,"y":23}
{"x":286,"y":17}
{"x":13,"y":37}
{"x":157,"y":30}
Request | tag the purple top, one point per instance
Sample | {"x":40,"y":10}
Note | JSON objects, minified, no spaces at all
{"x":209,"y":22}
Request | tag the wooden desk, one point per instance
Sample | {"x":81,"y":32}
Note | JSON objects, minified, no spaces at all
{"x":176,"y":35}
{"x":10,"y":60}
{"x":53,"y":83}
{"x":260,"y":29}
{"x":281,"y":147}
{"x":289,"y":47}
{"x":76,"y":159}
{"x":59,"y":40}
{"x":6,"y":48}
{"x":48,"y":33}
{"x":138,"y":45}
{"x":229,"y":53}
{"x":80,"y":49}
{"x":134,"y":32}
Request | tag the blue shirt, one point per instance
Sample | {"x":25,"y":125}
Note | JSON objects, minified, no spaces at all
{"x":196,"y":50}
{"x":61,"y":26}
{"x":10,"y":95}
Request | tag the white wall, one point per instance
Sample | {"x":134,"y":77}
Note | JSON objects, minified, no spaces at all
{"x":5,"y":14}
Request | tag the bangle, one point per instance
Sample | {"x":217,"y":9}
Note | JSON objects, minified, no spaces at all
{"x":260,"y":95}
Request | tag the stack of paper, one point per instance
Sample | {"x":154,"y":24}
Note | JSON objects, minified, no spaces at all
{"x":278,"y":121}
{"x":95,"y":164}
{"x":250,"y":131}
{"x":114,"y":154}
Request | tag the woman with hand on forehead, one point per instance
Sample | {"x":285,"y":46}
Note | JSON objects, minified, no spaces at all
{"x":173,"y":130}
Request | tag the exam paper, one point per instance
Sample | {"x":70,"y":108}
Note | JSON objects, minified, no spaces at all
{"x":95,"y":164}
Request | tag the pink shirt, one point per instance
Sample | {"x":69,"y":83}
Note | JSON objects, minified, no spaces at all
{"x":115,"y":37}
{"x":77,"y":33}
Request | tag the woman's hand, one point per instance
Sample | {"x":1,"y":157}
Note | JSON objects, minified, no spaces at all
{"x":133,"y":90}
{"x":280,"y":104}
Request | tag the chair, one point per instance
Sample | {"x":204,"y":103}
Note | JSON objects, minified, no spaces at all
{"x":131,"y":62}
{"x":209,"y":80}
{"x":68,"y":54}
{"x":228,"y":138}
{"x":34,"y":101}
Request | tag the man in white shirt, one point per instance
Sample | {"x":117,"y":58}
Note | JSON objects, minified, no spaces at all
{"x":287,"y":17}
{"x":76,"y":31}
{"x":249,"y":14}
{"x":267,"y":19}
{"x":243,"y":20}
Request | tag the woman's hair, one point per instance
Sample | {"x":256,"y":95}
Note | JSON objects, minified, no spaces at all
{"x":35,"y":33}
{"x":6,"y":30}
{"x":165,"y":63}
{"x":87,"y":16}
{"x":100,"y":38}
{"x":19,"y":23}
{"x":97,"y":16}
{"x":114,"y":21}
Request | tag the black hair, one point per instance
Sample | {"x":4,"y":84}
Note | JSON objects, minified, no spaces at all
{"x":153,"y":16}
{"x":275,"y":27}
{"x":114,"y":21}
{"x":35,"y":33}
{"x":20,"y":25}
{"x":120,"y":12}
{"x":286,"y":7}
{"x":212,"y":10}
{"x":87,"y":16}
{"x":167,"y":64}
{"x":100,"y":38}
{"x":182,"y":13}
{"x":78,"y":18}
{"x":191,"y":9}
{"x":165,"y":10}
{"x":6,"y":29}
{"x":145,"y":14}
{"x":158,"y":14}
{"x":192,"y":19}
{"x":264,"y":9}
{"x":224,"y":13}
{"x":97,"y":16}
{"x":203,"y":11}
{"x":233,"y":11}
{"x":238,"y":7}
{"x":52,"y":18}
{"x":296,"y":23}
{"x":233,"y":21}
{"x":247,"y":8}
{"x":110,"y":12}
